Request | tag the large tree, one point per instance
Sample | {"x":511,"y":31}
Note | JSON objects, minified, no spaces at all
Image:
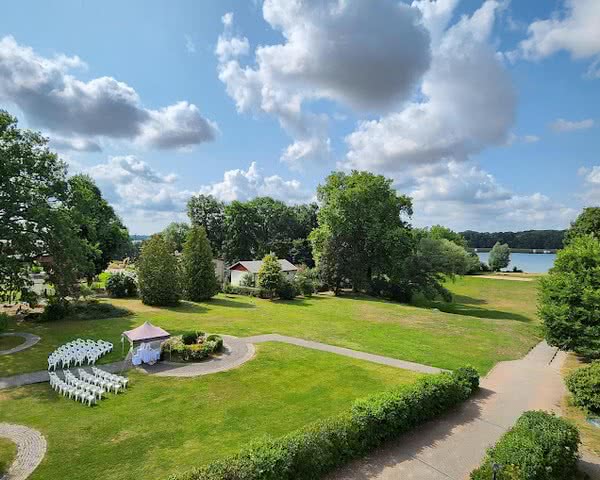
{"x":587,"y":223}
{"x":99,"y":226}
{"x":158,"y":273}
{"x":33,"y":192}
{"x":175,"y":234}
{"x":499,"y":257}
{"x":208,"y":212}
{"x":569,"y":298}
{"x":198,"y":278}
{"x":361,"y":215}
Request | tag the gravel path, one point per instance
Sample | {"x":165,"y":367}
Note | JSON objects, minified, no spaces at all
{"x":451,"y":446}
{"x":31,"y":448}
{"x":392,"y":362}
{"x":30,"y":341}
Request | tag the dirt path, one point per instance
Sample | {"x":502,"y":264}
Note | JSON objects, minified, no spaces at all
{"x":450,"y":447}
{"x":506,"y":277}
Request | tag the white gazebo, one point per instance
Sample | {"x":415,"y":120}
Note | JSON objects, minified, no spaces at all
{"x":148,"y":340}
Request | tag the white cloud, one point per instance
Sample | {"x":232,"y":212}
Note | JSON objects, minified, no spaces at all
{"x":562,"y":125}
{"x":190,"y":46}
{"x":591,"y":185}
{"x":241,"y":184}
{"x":365,"y":55}
{"x":78,"y":144}
{"x":50,"y":96}
{"x":468,"y":104}
{"x":574,"y":29}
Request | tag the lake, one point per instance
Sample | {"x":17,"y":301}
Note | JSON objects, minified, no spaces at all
{"x":528,"y":262}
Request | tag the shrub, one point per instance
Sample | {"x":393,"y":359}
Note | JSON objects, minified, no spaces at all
{"x":286,"y":290}
{"x":314,"y":450}
{"x":217,"y":340}
{"x":85,"y":290}
{"x":29,"y":297}
{"x":499,"y":256}
{"x":540,"y":446}
{"x":247,"y":280}
{"x":121,"y":285}
{"x":584,"y":384}
{"x":304,"y":284}
{"x":199,"y":348}
{"x":3,"y":322}
{"x":158,"y":273}
{"x":248,"y":291}
{"x":189,"y":338}
{"x":56,"y":309}
{"x":269,"y":274}
{"x":199,"y":280}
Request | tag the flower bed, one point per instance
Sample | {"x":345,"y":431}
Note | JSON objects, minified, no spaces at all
{"x":191,"y":347}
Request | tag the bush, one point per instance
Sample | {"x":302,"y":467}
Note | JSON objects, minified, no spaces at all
{"x":3,"y":322}
{"x":85,"y":291}
{"x":286,"y":290}
{"x":158,"y":273}
{"x":584,"y":385}
{"x":304,"y":284}
{"x":540,"y":446}
{"x":248,"y":291}
{"x":29,"y":297}
{"x":247,"y":280}
{"x":217,"y":340}
{"x":198,"y":348}
{"x":319,"y":448}
{"x":269,"y":274}
{"x":121,"y":285}
{"x":190,"y":338}
{"x":56,"y":309}
{"x":198,"y":277}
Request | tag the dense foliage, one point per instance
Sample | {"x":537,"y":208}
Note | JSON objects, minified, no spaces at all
{"x":499,"y":257}
{"x":587,"y":223}
{"x":158,"y":275}
{"x":206,"y":211}
{"x":540,"y":446}
{"x":317,"y":449}
{"x":569,"y":298}
{"x":191,"y":346}
{"x":529,"y":239}
{"x":175,"y":234}
{"x":247,"y":291}
{"x":584,"y":385}
{"x":269,"y":274}
{"x":121,"y":285}
{"x":198,"y":278}
{"x":3,"y":322}
{"x":286,"y":290}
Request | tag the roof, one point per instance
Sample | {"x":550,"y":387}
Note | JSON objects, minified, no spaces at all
{"x":253,"y":266}
{"x":146,"y":332}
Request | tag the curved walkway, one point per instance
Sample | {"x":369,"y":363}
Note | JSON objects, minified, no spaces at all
{"x":31,"y":448}
{"x":236,"y":352}
{"x":30,"y":341}
{"x":453,"y":445}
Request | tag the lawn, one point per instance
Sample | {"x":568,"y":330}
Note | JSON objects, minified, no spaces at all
{"x":489,"y":321}
{"x":7,"y":343}
{"x":8,"y":452}
{"x":166,"y":425}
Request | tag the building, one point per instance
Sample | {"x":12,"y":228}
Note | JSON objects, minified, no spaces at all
{"x":239,"y":269}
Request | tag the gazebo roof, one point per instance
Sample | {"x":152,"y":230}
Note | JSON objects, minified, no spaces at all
{"x":145,"y":333}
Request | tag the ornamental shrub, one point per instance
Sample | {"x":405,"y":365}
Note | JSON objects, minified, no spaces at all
{"x":286,"y":290}
{"x":540,"y":446}
{"x":584,"y":385}
{"x":248,"y":291}
{"x":304,"y":284}
{"x":199,"y":280}
{"x":199,"y":348}
{"x":269,"y":274}
{"x":247,"y":280}
{"x":56,"y":309}
{"x":121,"y":285}
{"x":313,"y":451}
{"x":189,"y":338}
{"x":158,"y":273}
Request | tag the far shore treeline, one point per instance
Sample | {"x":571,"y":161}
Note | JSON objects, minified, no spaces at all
{"x":526,"y":240}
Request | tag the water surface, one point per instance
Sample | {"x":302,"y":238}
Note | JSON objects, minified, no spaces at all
{"x":528,"y":262}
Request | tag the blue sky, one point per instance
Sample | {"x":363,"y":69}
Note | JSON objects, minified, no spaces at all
{"x":485,"y":112}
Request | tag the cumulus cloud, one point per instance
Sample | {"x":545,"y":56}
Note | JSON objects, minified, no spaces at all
{"x":591,"y":185}
{"x":364,"y":55}
{"x":50,"y":96}
{"x":190,"y":46}
{"x":468,"y":103}
{"x":562,"y":125}
{"x":78,"y":144}
{"x":242,"y":184}
{"x":573,"y":29}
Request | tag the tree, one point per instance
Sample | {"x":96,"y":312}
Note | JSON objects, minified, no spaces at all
{"x":569,"y":298}
{"x":439,"y":232}
{"x":208,"y":212}
{"x":158,"y":275}
{"x":198,"y":271}
{"x":499,"y":257}
{"x":361,"y":216}
{"x":32,"y":185}
{"x":99,"y":226}
{"x":587,"y":223}
{"x":175,"y":234}
{"x":269,"y":274}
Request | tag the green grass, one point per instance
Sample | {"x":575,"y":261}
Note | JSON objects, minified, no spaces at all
{"x":490,"y":321}
{"x":166,"y":425}
{"x":6,"y":343}
{"x":8,"y":452}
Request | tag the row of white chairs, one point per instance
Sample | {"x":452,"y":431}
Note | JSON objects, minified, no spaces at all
{"x":106,"y":376}
{"x":71,"y":391}
{"x":77,"y":352}
{"x":88,"y":387}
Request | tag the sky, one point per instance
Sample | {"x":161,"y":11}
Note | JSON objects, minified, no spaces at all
{"x":487,"y":113}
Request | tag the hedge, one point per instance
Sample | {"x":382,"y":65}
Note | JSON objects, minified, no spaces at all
{"x":584,"y":384}
{"x":248,"y":291}
{"x":540,"y":446}
{"x":321,"y":447}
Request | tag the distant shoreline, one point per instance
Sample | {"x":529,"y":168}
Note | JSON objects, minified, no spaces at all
{"x":535,"y":251}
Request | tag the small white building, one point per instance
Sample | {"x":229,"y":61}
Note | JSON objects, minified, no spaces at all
{"x":241,"y":268}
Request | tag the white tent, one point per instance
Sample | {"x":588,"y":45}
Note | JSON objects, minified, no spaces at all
{"x":148,"y":339}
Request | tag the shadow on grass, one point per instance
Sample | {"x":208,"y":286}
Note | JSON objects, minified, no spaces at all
{"x":229,"y":302}
{"x":469,"y":306}
{"x":186,"y":307}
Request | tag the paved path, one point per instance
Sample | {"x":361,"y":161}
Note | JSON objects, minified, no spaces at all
{"x":453,"y":445}
{"x":30,"y":341}
{"x":236,"y":352}
{"x":506,"y":277}
{"x":392,"y":362}
{"x":31,"y":448}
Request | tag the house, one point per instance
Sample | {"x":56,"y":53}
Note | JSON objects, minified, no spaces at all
{"x":239,"y":269}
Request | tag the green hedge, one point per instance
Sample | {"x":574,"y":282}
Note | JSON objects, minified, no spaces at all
{"x":540,"y":446}
{"x":248,"y":291}
{"x":319,"y":448}
{"x":584,"y":384}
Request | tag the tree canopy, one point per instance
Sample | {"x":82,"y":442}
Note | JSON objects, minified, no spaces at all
{"x":587,"y":223}
{"x":529,"y":239}
{"x":198,"y":278}
{"x":208,"y":212}
{"x":269,"y":274}
{"x":499,"y":257}
{"x":175,"y":234}
{"x":158,"y":273}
